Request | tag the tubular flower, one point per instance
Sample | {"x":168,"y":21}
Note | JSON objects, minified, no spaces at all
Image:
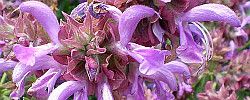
{"x":108,"y":51}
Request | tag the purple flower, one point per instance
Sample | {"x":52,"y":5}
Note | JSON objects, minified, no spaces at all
{"x":151,"y":60}
{"x":45,"y":16}
{"x":189,"y":51}
{"x":100,"y":50}
{"x":33,"y":58}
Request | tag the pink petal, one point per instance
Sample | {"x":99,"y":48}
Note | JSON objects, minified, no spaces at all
{"x":21,"y":69}
{"x":27,"y":55}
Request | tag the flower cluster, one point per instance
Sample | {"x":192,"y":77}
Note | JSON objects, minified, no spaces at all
{"x":112,"y":49}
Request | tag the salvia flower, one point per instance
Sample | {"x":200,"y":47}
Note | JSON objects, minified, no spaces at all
{"x":104,"y":51}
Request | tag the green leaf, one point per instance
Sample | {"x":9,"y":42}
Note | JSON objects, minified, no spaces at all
{"x":65,"y":6}
{"x":242,"y":93}
{"x":3,"y":79}
{"x":92,"y":97}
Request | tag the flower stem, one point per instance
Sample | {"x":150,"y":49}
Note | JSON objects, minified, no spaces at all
{"x":245,"y":46}
{"x":3,"y":78}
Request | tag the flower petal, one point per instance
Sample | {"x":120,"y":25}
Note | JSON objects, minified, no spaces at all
{"x":158,"y":31}
{"x":245,"y":21}
{"x":178,"y":67}
{"x":129,"y":20}
{"x":161,"y":90}
{"x":114,"y":12}
{"x":79,"y":10}
{"x":47,"y":80}
{"x":241,"y":33}
{"x":16,"y":94}
{"x":66,"y":89}
{"x":188,"y":51}
{"x":212,"y":12}
{"x":81,"y":95}
{"x":133,"y":77}
{"x":104,"y":92}
{"x":27,"y":55}
{"x":139,"y":94}
{"x":6,"y":65}
{"x":246,"y":5}
{"x":164,"y":75}
{"x":21,"y":69}
{"x":229,"y":55}
{"x":44,"y":16}
{"x":154,"y":56}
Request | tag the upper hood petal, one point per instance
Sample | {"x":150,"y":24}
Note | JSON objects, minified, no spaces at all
{"x":212,"y":12}
{"x":129,"y":20}
{"x":44,"y":16}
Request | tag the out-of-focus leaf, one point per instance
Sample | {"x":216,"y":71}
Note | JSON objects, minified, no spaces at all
{"x":212,"y":65}
{"x":32,"y":78}
{"x":92,"y":97}
{"x":3,"y":79}
{"x":243,"y":93}
{"x":65,"y":6}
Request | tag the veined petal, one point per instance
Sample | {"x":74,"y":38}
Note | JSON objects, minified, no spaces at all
{"x":129,"y":20}
{"x":44,"y":16}
{"x":155,"y":55}
{"x":6,"y":65}
{"x":66,"y":89}
{"x":27,"y":55}
{"x":166,"y":76}
{"x":149,"y":58}
{"x":47,"y":80}
{"x":81,"y":95}
{"x":161,"y":90}
{"x":21,"y":69}
{"x":212,"y":12}
{"x":16,"y":94}
{"x":190,"y":54}
{"x":158,"y":31}
{"x":104,"y":92}
{"x":188,"y":51}
{"x":178,"y":67}
{"x":139,"y":94}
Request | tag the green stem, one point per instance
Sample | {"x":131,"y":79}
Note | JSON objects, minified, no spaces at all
{"x":245,"y":46}
{"x":3,"y":78}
